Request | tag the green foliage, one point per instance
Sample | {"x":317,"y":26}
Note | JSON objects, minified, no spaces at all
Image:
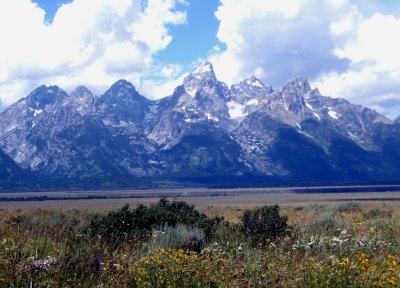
{"x":264,"y":224}
{"x":126,"y":221}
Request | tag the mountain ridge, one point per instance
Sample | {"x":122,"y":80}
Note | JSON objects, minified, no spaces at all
{"x":204,"y":129}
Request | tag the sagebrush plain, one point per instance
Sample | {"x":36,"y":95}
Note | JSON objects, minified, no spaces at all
{"x":325,"y":244}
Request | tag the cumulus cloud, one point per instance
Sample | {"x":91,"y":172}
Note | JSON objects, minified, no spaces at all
{"x":165,"y":78}
{"x":373,"y":76}
{"x":284,"y":39}
{"x":343,"y":52}
{"x":89,"y":42}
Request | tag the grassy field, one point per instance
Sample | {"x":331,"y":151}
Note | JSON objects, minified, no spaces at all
{"x":330,"y":242}
{"x":202,"y":198}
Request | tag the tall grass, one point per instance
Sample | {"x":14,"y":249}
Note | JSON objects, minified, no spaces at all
{"x":325,"y":247}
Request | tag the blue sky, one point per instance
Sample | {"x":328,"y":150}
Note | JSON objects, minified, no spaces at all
{"x":346,"y":48}
{"x":371,"y":7}
{"x":201,"y":29}
{"x":51,"y":7}
{"x":202,"y":26}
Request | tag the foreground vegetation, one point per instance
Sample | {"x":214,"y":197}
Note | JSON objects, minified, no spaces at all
{"x":170,"y":244}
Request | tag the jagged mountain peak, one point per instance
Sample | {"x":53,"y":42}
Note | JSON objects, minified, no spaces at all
{"x":252,"y":80}
{"x":200,"y":75}
{"x":204,"y":127}
{"x":82,"y":90}
{"x":123,"y":103}
{"x":44,"y":96}
{"x":314,"y":92}
{"x":43,"y":89}
{"x":298,"y":85}
{"x":80,"y":100}
{"x":249,"y":89}
{"x":123,"y":84}
{"x":122,"y":90}
{"x":204,"y":69}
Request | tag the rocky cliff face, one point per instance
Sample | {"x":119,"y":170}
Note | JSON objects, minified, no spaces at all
{"x":204,"y":129}
{"x":9,"y":170}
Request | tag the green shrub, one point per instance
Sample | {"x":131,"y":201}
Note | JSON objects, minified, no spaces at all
{"x":115,"y":223}
{"x":142,"y":219}
{"x":263,"y":224}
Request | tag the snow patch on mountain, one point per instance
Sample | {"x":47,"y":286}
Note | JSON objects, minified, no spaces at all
{"x":192,"y":92}
{"x":236,"y":110}
{"x":252,"y":102}
{"x":203,"y":68}
{"x":210,"y":117}
{"x":255,"y":82}
{"x":333,"y":114}
{"x":313,"y":111}
{"x":35,"y":111}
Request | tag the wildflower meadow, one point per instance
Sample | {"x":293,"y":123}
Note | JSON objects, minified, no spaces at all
{"x":171,"y":244}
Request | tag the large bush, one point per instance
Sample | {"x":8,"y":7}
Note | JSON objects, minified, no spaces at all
{"x":263,"y":224}
{"x":143,"y":219}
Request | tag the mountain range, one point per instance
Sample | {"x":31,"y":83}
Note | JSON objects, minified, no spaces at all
{"x":205,"y":133}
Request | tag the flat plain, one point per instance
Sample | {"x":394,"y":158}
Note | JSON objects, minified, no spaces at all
{"x":202,"y":198}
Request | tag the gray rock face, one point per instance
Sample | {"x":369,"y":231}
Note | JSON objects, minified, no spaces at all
{"x":297,"y":103}
{"x":249,"y":90}
{"x":201,"y":99}
{"x":204,"y":96}
{"x":9,"y":170}
{"x":20,"y":122}
{"x":123,"y":104}
{"x":78,"y":136}
{"x":204,"y":129}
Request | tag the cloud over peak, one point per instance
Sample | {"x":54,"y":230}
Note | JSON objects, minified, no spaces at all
{"x":91,"y":42}
{"x":339,"y":48}
{"x":331,"y":42}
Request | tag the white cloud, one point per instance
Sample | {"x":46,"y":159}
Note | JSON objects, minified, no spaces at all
{"x":330,"y":42}
{"x":156,"y":89}
{"x":89,"y":42}
{"x":376,"y":41}
{"x":284,"y":38}
{"x":165,"y":78}
{"x":373,"y":76}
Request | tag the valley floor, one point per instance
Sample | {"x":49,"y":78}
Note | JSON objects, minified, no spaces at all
{"x":201,"y":197}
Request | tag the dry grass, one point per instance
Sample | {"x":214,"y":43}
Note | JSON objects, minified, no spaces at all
{"x":243,"y":198}
{"x":330,"y":244}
